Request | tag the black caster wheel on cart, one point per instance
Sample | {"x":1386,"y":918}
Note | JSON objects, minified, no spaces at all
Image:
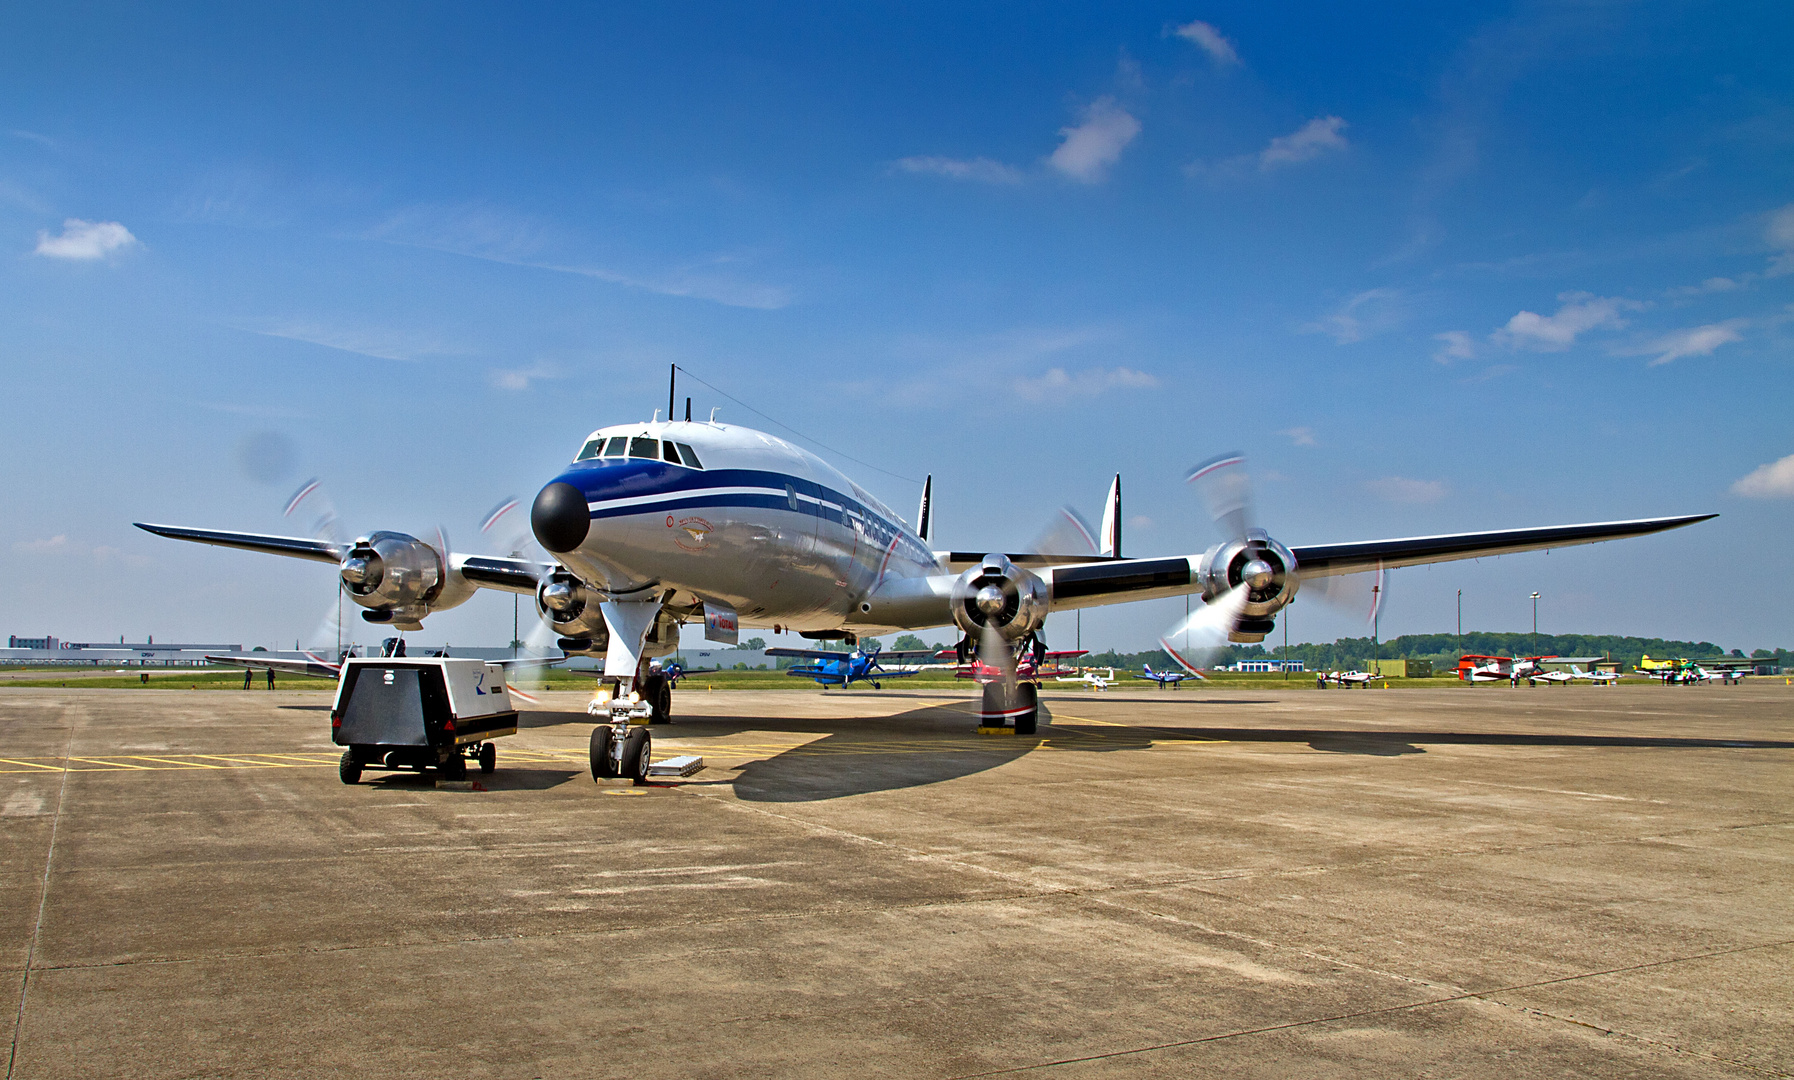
{"x":349,"y":769}
{"x":637,"y":749}
{"x":601,"y":766}
{"x":455,"y":768}
{"x":488,"y":758}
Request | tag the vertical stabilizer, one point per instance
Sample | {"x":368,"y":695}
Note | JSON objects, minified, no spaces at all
{"x":1111,"y":536}
{"x":925,"y":512}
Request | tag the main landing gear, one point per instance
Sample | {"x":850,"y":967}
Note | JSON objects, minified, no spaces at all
{"x":1004,"y":709}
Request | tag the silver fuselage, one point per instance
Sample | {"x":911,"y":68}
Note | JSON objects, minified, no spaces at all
{"x":763,"y":527}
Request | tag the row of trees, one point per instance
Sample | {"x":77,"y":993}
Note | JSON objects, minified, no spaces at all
{"x":1442,"y":649}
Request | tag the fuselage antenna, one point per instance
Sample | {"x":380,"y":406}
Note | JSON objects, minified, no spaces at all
{"x":713,"y":412}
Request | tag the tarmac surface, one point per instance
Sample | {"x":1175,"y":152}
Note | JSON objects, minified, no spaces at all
{"x":1459,"y":882}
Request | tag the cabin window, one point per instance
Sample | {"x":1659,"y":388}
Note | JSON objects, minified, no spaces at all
{"x":590,"y":450}
{"x":616,"y":447}
{"x":643,"y":447}
{"x":671,"y":454}
{"x":691,"y":458}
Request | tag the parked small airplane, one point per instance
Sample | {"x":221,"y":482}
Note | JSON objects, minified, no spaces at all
{"x":843,"y":669}
{"x":1360,"y":679}
{"x":1167,"y":677}
{"x":1092,"y":679}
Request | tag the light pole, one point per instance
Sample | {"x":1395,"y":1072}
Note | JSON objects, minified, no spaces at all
{"x":1535,"y":621}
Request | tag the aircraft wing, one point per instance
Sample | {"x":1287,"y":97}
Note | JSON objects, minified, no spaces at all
{"x":1119,"y":580}
{"x":1326,"y":559}
{"x":809,"y":654}
{"x":485,"y":571}
{"x":909,"y":654}
{"x":315,"y":668}
{"x":297,"y":547}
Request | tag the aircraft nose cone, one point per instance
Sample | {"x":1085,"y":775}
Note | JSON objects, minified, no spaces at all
{"x":560,"y":518}
{"x":1258,"y":574}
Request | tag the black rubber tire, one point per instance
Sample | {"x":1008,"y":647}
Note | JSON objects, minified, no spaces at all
{"x":455,"y":768}
{"x":488,"y":758}
{"x":990,"y":699}
{"x":350,"y":768}
{"x":663,"y":704}
{"x":638,"y":748}
{"x":601,"y":768}
{"x":1027,"y":696}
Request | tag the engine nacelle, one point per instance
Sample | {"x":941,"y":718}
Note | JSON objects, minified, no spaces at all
{"x":398,"y":577}
{"x":1265,"y":567}
{"x":568,"y":605}
{"x":1001,"y":594}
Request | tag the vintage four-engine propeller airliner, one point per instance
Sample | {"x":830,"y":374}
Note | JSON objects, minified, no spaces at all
{"x":655,"y":524}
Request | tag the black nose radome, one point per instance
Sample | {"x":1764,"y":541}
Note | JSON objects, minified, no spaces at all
{"x":560,"y":518}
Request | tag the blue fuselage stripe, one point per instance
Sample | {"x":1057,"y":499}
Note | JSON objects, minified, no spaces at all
{"x":665,"y":488}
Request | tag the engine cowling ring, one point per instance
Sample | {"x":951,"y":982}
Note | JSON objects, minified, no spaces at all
{"x":998,"y":593}
{"x":1266,"y":567}
{"x":395,"y":575}
{"x":571,"y":607}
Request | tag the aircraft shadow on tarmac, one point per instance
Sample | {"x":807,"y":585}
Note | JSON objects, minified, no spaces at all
{"x":936,"y":743}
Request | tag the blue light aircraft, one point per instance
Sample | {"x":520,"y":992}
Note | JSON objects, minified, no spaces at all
{"x":1164,"y":677}
{"x":843,"y":669}
{"x":655,"y":524}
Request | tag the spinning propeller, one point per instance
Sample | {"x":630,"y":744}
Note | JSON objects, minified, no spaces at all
{"x":1249,"y":577}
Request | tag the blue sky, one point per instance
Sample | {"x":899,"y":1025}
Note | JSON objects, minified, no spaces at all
{"x":1434,"y":268}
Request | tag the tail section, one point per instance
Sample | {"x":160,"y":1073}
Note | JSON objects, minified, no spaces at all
{"x":1111,"y":535}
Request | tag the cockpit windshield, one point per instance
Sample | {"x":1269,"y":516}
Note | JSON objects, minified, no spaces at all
{"x":639,"y":446}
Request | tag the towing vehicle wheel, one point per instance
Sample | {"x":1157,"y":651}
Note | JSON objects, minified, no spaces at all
{"x":488,"y":758}
{"x":349,"y":769}
{"x":601,"y":766}
{"x":455,"y":768}
{"x":637,"y":748}
{"x":663,"y":704}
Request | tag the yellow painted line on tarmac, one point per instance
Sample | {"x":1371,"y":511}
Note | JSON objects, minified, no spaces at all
{"x":246,"y":761}
{"x":114,"y":764}
{"x":1058,"y":716}
{"x":178,"y":764}
{"x":29,"y":764}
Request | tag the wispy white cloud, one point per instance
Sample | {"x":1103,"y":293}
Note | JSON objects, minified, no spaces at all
{"x":520,"y":378}
{"x":1319,"y":136}
{"x":1713,"y":285}
{"x":1205,"y":37}
{"x":54,"y":545}
{"x":1401,"y":489}
{"x":85,"y":240}
{"x":1300,"y":436}
{"x":1364,"y":315}
{"x":482,"y":233}
{"x":1090,"y":147}
{"x":1056,"y":384}
{"x":981,"y":170}
{"x":1781,"y":237}
{"x":1580,"y":312}
{"x":1313,"y":139}
{"x":1454,"y":345}
{"x":60,"y":547}
{"x":382,"y":344}
{"x":1772,"y":481}
{"x":1693,"y":341}
{"x":32,"y":136}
